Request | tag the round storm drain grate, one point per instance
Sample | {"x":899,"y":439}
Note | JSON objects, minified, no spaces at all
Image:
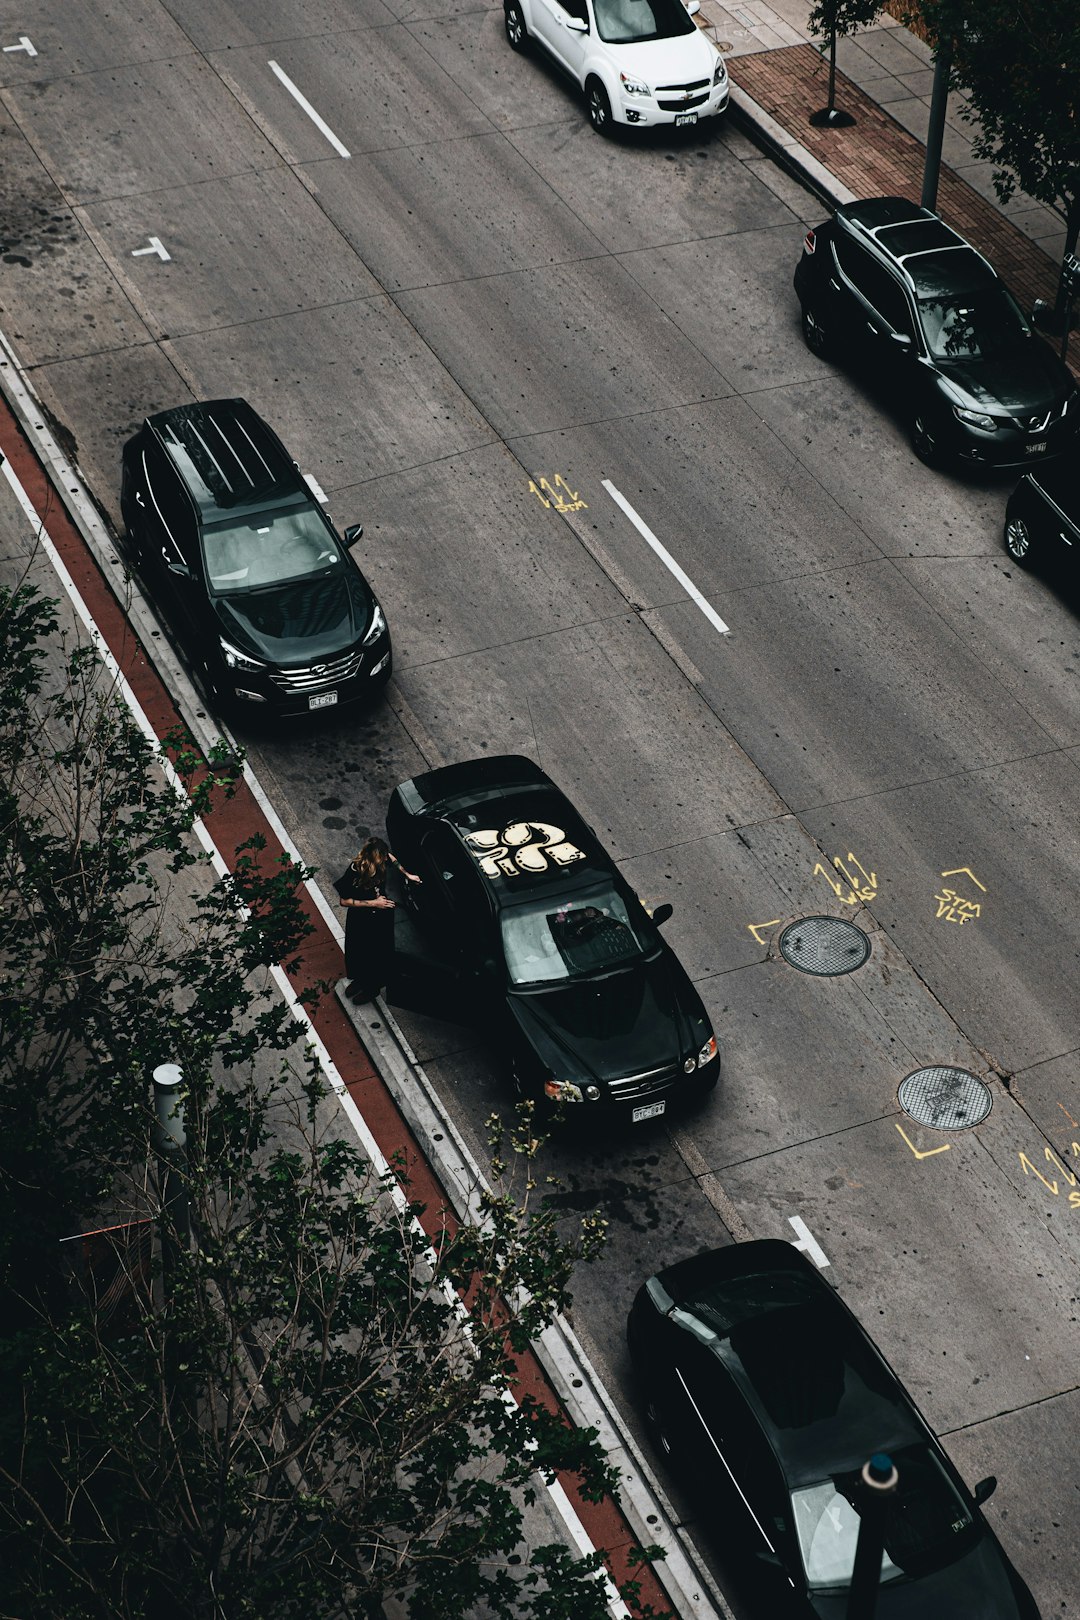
{"x":824,"y":945}
{"x":948,"y":1099}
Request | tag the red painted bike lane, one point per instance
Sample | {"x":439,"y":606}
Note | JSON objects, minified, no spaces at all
{"x":233,"y":820}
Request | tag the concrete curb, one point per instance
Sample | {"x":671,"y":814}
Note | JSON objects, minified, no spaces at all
{"x":785,"y":150}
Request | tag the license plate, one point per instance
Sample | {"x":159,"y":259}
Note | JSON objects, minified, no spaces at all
{"x":1036,"y":449}
{"x":322,"y":701}
{"x":648,"y":1111}
{"x":680,"y":119}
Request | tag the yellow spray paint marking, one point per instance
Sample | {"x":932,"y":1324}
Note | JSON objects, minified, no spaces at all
{"x":954,"y":907}
{"x":1052,"y":1185}
{"x":924,"y":1153}
{"x":755,"y":928}
{"x":1073,"y":1122}
{"x":858,"y":893}
{"x":558,"y":495}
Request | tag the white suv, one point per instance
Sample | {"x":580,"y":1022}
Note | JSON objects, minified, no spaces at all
{"x":638,"y":61}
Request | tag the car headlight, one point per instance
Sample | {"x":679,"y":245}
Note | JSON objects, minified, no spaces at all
{"x":377,"y":626}
{"x":237,"y":659}
{"x":977,"y":419}
{"x":719,"y":73}
{"x":634,"y":87}
{"x":562,"y":1091}
{"x":707,"y":1053}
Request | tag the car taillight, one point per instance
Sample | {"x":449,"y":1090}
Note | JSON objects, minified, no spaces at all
{"x":809,"y":242}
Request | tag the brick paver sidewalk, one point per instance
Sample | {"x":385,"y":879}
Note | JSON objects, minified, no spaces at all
{"x":878,"y":157}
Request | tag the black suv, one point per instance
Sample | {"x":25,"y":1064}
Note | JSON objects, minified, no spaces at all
{"x":890,"y":284}
{"x":755,"y":1374}
{"x":249,"y":571}
{"x":535,"y":936}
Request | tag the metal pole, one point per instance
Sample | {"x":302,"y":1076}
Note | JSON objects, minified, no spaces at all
{"x":879,"y":1480}
{"x":936,"y":129}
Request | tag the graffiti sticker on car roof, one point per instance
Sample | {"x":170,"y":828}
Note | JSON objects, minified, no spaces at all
{"x":521,"y":847}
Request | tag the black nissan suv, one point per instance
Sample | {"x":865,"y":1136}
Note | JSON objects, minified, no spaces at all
{"x":253,"y":578}
{"x":530,"y":932}
{"x":889,"y":284}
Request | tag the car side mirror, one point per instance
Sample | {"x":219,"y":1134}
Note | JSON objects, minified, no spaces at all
{"x":985,"y":1489}
{"x":576,"y":26}
{"x":1042,"y":315}
{"x":353,"y":533}
{"x":660,"y":914}
{"x":179,"y":568}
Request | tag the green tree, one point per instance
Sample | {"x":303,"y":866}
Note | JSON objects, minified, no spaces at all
{"x":1016,"y":62}
{"x":833,"y":20}
{"x":293,"y":1401}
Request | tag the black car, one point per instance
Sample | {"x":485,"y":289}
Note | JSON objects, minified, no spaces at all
{"x":534,"y":935}
{"x":757,"y":1376}
{"x":890,"y":285}
{"x":1042,"y":519}
{"x":252,"y":576}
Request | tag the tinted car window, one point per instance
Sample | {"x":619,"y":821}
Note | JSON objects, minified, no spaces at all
{"x":267,"y":548}
{"x":737,"y":1299}
{"x":621,"y":22}
{"x":981,"y":324}
{"x":170,"y":508}
{"x":927,"y":1524}
{"x":881,"y":290}
{"x":555,"y":939}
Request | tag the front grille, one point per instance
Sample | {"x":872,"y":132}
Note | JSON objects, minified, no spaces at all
{"x":1039,"y":423}
{"x":635,"y":1087}
{"x":682,"y":89}
{"x":681,"y":106}
{"x":314,"y":677}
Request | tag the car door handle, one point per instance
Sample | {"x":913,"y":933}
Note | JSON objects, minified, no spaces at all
{"x":139,"y":498}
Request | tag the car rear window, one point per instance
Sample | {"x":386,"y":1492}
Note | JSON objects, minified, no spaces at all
{"x":724,"y":1304}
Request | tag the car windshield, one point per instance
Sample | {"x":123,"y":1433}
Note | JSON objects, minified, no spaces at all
{"x":927,"y":1524}
{"x":563,"y":939}
{"x":625,"y":22}
{"x":976,"y":326}
{"x":268,"y":548}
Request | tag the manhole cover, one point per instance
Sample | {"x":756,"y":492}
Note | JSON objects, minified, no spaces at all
{"x":825,"y":945}
{"x":947,"y":1099}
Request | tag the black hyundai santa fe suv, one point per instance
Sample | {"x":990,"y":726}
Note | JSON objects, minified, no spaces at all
{"x":256,"y":584}
{"x":889,"y":284}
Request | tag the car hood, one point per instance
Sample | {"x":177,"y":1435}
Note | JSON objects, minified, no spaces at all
{"x":978,"y":1584}
{"x":647,"y":1016}
{"x":1026,"y":381}
{"x":303,"y":619}
{"x":667,"y":61}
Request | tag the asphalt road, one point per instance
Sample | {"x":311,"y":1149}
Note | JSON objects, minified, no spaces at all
{"x":473,"y":330}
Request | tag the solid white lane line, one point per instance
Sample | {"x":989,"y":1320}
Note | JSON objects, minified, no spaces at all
{"x":668,"y":560}
{"x":320,"y":123}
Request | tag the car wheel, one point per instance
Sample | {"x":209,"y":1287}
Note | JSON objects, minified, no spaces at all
{"x":924,"y":443}
{"x":516,"y":32}
{"x":815,"y":335}
{"x":599,"y":107}
{"x":1019,"y":541}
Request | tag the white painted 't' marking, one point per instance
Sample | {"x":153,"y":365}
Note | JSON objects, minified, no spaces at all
{"x":23,"y":45}
{"x":808,"y":1243}
{"x":156,"y":246}
{"x":667,"y":559}
{"x":320,"y":124}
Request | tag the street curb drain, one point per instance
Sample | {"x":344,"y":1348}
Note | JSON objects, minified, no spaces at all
{"x":944,"y":1098}
{"x":826,"y":946}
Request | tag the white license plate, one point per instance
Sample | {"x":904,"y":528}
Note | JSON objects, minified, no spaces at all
{"x":322,"y":701}
{"x":1036,"y":449}
{"x":685,"y":118}
{"x":648,"y":1111}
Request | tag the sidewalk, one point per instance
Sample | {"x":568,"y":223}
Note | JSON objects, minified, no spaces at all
{"x":884,"y":79}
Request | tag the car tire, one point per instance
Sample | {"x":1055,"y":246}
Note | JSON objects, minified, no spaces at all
{"x":1021,"y":541}
{"x":923,"y":442}
{"x":517,"y":34}
{"x":599,"y":106}
{"x":815,"y":336}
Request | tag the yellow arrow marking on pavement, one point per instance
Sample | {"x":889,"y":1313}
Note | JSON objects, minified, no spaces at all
{"x":925,"y":1153}
{"x":965,"y":871}
{"x":754,"y":927}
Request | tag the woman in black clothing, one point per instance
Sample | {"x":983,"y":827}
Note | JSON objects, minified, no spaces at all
{"x":369,"y":919}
